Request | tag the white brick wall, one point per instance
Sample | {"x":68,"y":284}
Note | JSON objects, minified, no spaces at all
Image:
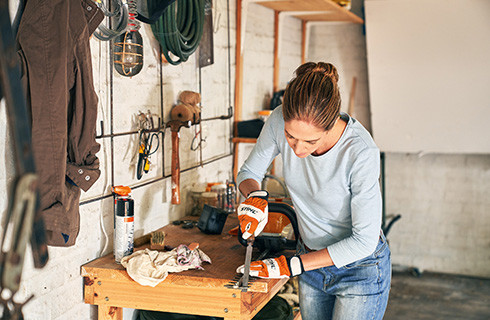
{"x":445,"y":206}
{"x":344,"y":46}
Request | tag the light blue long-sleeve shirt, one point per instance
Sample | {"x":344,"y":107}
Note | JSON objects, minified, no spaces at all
{"x":336,"y":195}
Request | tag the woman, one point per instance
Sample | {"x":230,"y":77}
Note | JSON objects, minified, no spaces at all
{"x":331,"y":168}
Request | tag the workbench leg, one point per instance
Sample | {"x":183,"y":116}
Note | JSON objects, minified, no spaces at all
{"x":110,"y":313}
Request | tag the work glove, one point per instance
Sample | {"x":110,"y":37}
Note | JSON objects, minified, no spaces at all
{"x":275,"y":268}
{"x":252,"y":213}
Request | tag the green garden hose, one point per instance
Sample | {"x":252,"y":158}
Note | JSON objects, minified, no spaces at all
{"x":179,"y":29}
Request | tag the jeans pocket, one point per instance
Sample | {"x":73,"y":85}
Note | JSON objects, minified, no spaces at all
{"x":369,"y":261}
{"x":372,"y":259}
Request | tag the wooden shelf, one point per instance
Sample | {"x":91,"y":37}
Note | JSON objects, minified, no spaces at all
{"x":312,"y":10}
{"x":244,"y":140}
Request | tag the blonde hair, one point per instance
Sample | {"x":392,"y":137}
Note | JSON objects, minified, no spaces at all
{"x":313,"y":95}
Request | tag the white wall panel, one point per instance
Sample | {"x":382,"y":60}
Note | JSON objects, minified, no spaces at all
{"x":429,"y":74}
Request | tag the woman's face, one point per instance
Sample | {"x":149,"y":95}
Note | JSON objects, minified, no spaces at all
{"x":304,"y":137}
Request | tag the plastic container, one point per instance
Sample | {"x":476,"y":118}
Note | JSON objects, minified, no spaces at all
{"x":209,"y":198}
{"x":196,"y":195}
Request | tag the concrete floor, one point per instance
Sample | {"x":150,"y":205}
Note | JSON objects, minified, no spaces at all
{"x":438,"y":296}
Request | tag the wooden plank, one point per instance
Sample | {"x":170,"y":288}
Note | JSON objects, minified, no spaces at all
{"x":254,"y":302}
{"x":337,"y":16}
{"x":298,"y":316}
{"x":277,"y":35}
{"x":238,"y":65}
{"x":327,"y":10}
{"x":300,"y":5}
{"x":219,"y":302}
{"x":244,"y":140}
{"x":303,"y":41}
{"x":110,"y":313}
{"x":235,"y":158}
{"x":350,"y":109}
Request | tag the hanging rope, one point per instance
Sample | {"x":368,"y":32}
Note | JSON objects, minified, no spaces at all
{"x":179,"y":29}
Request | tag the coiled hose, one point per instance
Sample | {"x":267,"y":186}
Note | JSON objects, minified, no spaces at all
{"x":179,"y":29}
{"x":120,"y":13}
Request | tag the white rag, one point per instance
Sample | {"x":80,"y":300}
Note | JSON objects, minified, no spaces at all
{"x":150,"y":267}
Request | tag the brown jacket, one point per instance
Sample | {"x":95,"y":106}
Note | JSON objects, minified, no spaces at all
{"x":54,"y":47}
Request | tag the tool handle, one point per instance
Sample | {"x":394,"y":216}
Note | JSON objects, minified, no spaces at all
{"x":175,"y":168}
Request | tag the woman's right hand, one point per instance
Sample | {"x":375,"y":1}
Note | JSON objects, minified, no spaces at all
{"x":253,"y":213}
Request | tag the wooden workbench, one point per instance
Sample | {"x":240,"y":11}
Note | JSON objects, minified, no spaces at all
{"x":202,"y":292}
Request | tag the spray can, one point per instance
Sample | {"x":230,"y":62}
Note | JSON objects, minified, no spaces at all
{"x":123,"y":222}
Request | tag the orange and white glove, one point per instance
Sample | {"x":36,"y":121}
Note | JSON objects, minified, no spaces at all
{"x":253,"y":212}
{"x":275,"y":268}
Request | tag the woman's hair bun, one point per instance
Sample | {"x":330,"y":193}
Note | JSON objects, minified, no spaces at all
{"x":327,"y":69}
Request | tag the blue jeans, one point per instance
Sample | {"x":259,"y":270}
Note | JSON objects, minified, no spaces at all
{"x":357,"y":291}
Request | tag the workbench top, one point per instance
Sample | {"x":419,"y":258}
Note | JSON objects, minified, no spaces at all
{"x":202,"y":292}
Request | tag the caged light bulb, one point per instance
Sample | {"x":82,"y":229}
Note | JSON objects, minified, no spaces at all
{"x":128,"y":53}
{"x":128,"y":47}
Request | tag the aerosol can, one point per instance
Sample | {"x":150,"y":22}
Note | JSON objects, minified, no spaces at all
{"x":123,"y":222}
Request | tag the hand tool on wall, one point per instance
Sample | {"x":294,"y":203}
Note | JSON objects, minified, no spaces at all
{"x":175,"y":126}
{"x":22,"y":220}
{"x":184,"y":114}
{"x":145,"y":150}
{"x":187,"y":109}
{"x":145,"y":142}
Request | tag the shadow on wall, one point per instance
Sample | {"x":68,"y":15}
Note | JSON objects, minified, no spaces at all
{"x":106,"y":225}
{"x":8,"y":175}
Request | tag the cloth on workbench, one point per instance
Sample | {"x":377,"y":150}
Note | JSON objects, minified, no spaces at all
{"x":54,"y":49}
{"x":150,"y":267}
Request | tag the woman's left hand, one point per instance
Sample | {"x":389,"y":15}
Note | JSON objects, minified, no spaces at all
{"x":275,"y":268}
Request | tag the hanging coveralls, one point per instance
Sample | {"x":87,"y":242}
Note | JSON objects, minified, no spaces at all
{"x":53,"y":41}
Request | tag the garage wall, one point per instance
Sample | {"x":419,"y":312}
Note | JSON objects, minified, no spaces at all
{"x":460,"y":179}
{"x":58,"y":286}
{"x":445,"y":208}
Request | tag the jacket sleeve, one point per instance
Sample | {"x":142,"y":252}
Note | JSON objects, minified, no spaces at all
{"x":82,"y":164}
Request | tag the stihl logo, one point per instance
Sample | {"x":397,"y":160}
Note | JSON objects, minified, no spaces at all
{"x":251,"y":210}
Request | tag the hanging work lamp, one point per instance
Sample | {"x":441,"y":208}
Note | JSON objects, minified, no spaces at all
{"x":128,"y":47}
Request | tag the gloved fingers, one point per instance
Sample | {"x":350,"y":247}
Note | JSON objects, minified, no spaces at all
{"x":260,"y":226}
{"x":265,"y":269}
{"x":248,"y":225}
{"x":255,"y":203}
{"x":257,"y":269}
{"x":241,"y":269}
